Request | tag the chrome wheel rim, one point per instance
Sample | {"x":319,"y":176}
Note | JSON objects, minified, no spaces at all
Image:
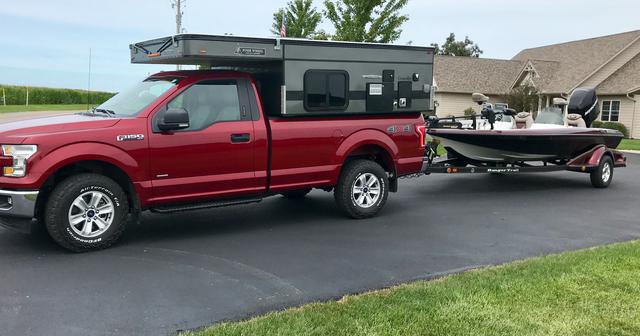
{"x":91,"y":214}
{"x":606,"y":172}
{"x":366,"y":190}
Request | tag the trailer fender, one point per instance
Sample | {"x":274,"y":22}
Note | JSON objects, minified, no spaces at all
{"x":591,"y":159}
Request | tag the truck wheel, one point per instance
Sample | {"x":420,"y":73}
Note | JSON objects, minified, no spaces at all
{"x":296,"y":194}
{"x":362,"y":189}
{"x":86,"y":212}
{"x":601,"y":177}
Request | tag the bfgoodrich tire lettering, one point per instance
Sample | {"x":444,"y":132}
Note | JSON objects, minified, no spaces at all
{"x":72,"y":201}
{"x":362,"y":189}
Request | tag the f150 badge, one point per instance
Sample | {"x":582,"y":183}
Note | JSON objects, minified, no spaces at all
{"x":130,"y":137}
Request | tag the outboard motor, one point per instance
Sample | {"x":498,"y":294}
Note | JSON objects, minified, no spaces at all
{"x":584,"y":102}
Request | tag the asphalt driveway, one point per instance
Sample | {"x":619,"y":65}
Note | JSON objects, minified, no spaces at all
{"x":184,"y":271}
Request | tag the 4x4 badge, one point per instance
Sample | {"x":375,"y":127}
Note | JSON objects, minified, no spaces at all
{"x":130,"y":137}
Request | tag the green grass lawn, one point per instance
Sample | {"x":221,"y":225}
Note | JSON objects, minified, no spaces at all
{"x":589,"y":292}
{"x":29,"y":108}
{"x":630,"y":144}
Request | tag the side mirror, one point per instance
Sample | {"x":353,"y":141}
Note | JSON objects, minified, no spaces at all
{"x":174,"y":119}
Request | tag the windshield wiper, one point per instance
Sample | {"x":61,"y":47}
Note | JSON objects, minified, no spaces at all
{"x":105,"y":111}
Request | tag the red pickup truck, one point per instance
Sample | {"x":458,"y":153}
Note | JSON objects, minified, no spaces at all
{"x":190,"y":140}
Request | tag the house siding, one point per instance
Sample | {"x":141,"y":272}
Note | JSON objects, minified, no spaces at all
{"x":454,"y":104}
{"x":636,"y":118}
{"x":627,"y":110}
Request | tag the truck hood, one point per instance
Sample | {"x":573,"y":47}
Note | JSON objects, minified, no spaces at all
{"x":17,"y":131}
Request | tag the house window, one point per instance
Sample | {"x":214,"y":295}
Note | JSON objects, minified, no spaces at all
{"x":610,"y":110}
{"x":326,"y":90}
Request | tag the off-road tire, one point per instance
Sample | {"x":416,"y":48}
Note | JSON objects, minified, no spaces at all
{"x":296,"y":194}
{"x":599,"y":176}
{"x":343,"y":191}
{"x":60,"y":201}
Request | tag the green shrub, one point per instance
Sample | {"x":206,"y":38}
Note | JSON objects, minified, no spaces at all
{"x":17,"y":95}
{"x":611,"y":125}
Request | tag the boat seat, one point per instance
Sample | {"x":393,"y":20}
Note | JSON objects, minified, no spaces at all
{"x":524,"y":120}
{"x":575,"y":120}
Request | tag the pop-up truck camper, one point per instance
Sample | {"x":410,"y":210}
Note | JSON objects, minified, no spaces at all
{"x":310,"y":78}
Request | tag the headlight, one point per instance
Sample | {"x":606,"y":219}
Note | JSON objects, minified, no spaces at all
{"x":19,"y":155}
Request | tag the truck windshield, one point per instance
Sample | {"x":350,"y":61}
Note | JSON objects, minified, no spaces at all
{"x":132,"y":101}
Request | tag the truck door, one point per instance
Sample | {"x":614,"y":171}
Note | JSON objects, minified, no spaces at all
{"x":214,"y":156}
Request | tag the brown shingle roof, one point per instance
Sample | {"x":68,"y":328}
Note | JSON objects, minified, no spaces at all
{"x":470,"y":74}
{"x":626,"y":79}
{"x":577,"y":59}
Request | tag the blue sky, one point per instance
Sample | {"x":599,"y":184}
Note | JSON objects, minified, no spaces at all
{"x":46,"y":42}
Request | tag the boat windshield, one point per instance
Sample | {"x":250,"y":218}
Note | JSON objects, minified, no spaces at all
{"x":504,"y":118}
{"x":132,"y":101}
{"x":551,"y":116}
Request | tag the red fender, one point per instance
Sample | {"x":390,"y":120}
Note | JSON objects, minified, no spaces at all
{"x":40,"y":170}
{"x":364,"y":138}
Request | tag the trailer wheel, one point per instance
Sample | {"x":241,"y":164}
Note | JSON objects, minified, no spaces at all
{"x":86,"y":212}
{"x":601,"y":177}
{"x":362,"y":189}
{"x":296,"y":194}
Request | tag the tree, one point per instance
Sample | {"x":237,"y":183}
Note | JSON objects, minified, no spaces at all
{"x":366,"y":20}
{"x":451,"y":47}
{"x":522,"y":98}
{"x":302,"y":19}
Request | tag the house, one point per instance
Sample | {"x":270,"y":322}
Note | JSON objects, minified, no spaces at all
{"x":610,"y":64}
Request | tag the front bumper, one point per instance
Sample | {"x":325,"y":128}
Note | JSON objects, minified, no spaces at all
{"x":17,"y":210}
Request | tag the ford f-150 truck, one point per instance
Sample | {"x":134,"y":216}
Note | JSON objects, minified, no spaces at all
{"x":187,"y":140}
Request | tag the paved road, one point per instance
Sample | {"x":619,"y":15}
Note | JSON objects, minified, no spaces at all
{"x":185,"y":271}
{"x":16,"y":116}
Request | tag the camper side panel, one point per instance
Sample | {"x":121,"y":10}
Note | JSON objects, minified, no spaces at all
{"x":380,"y":80}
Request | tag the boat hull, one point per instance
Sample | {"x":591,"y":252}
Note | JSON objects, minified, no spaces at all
{"x":525,"y":144}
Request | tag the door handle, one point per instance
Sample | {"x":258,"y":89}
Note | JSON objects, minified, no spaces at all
{"x":239,"y":138}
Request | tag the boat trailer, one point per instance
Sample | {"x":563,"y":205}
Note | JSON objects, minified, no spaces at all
{"x":599,"y":162}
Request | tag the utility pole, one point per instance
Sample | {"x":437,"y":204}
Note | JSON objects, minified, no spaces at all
{"x":89,"y":84}
{"x":178,"y":5}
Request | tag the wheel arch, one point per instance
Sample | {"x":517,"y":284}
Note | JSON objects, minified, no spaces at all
{"x":104,"y":160}
{"x":371,"y":145}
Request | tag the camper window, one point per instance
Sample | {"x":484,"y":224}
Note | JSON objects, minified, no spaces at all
{"x":326,"y":90}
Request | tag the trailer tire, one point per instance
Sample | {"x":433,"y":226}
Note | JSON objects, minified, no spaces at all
{"x":362,"y":189}
{"x":296,"y":194}
{"x":601,"y":177}
{"x":96,"y":203}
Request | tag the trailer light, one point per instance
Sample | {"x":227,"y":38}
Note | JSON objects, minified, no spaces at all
{"x":155,"y":54}
{"x":17,"y":159}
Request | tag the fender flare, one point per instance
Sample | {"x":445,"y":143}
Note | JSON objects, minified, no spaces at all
{"x":86,"y":151}
{"x":364,"y":138}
